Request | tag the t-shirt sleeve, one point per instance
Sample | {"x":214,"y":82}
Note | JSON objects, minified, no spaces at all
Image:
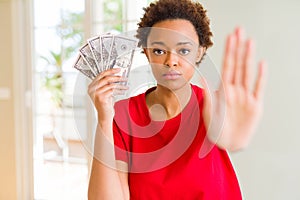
{"x":121,"y":141}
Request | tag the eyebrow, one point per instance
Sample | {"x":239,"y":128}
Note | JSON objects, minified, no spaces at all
{"x":178,"y":44}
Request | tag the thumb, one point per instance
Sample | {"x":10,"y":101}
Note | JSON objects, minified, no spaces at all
{"x":207,"y":102}
{"x":207,"y":114}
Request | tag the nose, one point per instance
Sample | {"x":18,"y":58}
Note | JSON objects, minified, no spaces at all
{"x":171,"y":59}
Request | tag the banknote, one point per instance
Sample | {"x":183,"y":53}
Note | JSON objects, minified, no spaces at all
{"x":82,"y":66}
{"x":104,"y":52}
{"x":87,"y":55}
{"x":95,"y":46}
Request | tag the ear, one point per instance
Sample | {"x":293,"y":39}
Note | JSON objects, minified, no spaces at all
{"x":200,"y":53}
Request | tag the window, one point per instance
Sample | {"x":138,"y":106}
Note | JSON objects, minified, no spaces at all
{"x":119,"y":16}
{"x":60,"y":164}
{"x":61,"y":144}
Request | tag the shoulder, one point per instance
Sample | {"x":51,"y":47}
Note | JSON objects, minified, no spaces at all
{"x":136,"y":101}
{"x":198,"y":92}
{"x":129,"y":103}
{"x":134,"y":108}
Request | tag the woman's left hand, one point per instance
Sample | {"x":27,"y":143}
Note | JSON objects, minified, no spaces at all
{"x":232,"y":114}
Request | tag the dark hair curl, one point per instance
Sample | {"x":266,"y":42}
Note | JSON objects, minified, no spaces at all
{"x":175,"y":9}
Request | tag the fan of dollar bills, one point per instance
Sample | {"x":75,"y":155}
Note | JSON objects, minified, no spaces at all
{"x":105,"y":52}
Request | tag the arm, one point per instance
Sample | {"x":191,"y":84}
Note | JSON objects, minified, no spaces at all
{"x":232,"y":114}
{"x":106,"y":181}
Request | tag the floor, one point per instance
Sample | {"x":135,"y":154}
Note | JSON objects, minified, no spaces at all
{"x":55,"y":179}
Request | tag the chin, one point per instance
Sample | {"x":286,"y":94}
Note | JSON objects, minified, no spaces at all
{"x":174,"y":85}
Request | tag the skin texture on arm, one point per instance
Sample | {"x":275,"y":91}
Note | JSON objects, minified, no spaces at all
{"x":233,"y":112}
{"x":106,"y":181}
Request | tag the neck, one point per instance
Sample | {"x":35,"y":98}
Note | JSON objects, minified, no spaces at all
{"x":164,"y":103}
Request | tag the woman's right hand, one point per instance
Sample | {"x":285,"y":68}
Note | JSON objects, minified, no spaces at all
{"x":101,"y":91}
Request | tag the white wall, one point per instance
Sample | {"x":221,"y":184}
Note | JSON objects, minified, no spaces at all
{"x":270,"y":167}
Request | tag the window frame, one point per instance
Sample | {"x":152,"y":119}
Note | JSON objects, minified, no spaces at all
{"x":22,"y":41}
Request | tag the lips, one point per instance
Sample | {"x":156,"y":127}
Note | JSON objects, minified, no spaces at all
{"x":172,"y":75}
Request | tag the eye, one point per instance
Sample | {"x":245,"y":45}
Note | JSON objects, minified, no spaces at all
{"x":184,"y":51}
{"x":158,"y":52}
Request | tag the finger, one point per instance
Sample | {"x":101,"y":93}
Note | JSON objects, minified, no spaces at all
{"x":95,"y":93}
{"x":239,"y":55}
{"x":227,"y":71}
{"x":110,"y":80}
{"x":119,"y":91}
{"x":260,"y":81}
{"x":105,"y":73}
{"x":121,"y":87}
{"x":105,"y":81}
{"x":247,"y":75}
{"x":107,"y":90}
{"x":114,"y":86}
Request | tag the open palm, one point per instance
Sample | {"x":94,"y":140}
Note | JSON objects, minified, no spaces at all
{"x":231,"y":114}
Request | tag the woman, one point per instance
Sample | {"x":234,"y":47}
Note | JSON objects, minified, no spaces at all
{"x":171,"y":142}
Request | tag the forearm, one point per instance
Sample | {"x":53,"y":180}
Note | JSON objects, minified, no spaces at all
{"x":105,"y":182}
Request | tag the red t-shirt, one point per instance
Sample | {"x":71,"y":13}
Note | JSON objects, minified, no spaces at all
{"x":163,"y":156}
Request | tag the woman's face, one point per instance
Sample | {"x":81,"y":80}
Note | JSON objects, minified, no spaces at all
{"x":173,"y":50}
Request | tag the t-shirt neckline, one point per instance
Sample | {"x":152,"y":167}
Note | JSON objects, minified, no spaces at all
{"x":145,"y":107}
